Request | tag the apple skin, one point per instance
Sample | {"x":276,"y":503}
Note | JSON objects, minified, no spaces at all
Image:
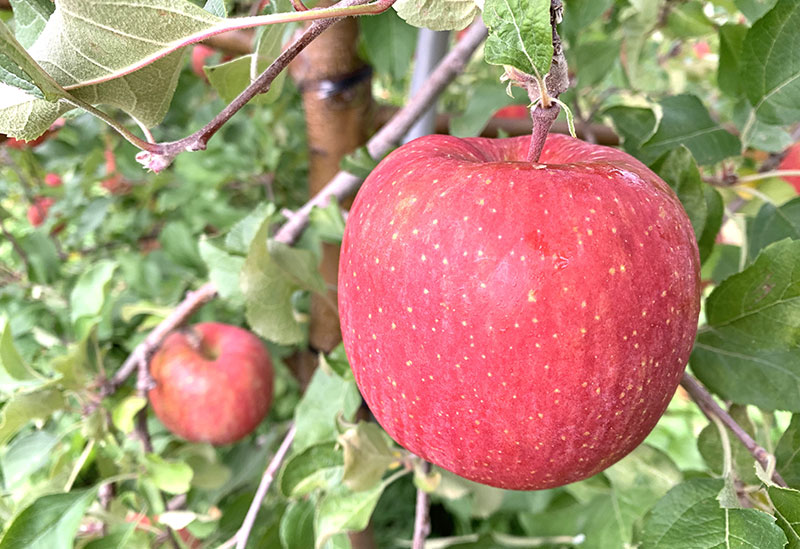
{"x":521,"y":325}
{"x":214,"y":389}
{"x":791,"y":161}
{"x":37,"y":212}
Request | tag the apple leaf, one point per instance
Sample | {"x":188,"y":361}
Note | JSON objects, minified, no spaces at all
{"x":336,"y":361}
{"x":754,"y":9}
{"x":14,"y":372}
{"x":241,"y":235}
{"x":520,"y":34}
{"x":716,"y":209}
{"x":30,"y":17}
{"x":17,"y":67}
{"x":223,"y":269}
{"x":366,"y":456}
{"x":50,"y":522}
{"x":750,"y":351}
{"x":686,"y":121}
{"x":71,"y":367}
{"x":771,"y":224}
{"x":390,"y":43}
{"x":341,"y":510}
{"x":484,"y":99}
{"x":91,"y":290}
{"x":787,"y":512}
{"x":173,"y":477}
{"x":440,"y":15}
{"x":327,"y":397}
{"x":232,"y":77}
{"x":216,"y":7}
{"x":298,"y":265}
{"x":731,"y":38}
{"x":327,"y":222}
{"x":771,"y":65}
{"x":710,"y":447}
{"x":787,"y":453}
{"x":318,"y":467}
{"x":124,"y":413}
{"x":25,"y":455}
{"x":679,"y":170}
{"x":688,"y":21}
{"x":297,"y":525}
{"x":690,"y":511}
{"x":579,"y":14}
{"x":757,"y":134}
{"x":635,"y":124}
{"x":24,"y":408}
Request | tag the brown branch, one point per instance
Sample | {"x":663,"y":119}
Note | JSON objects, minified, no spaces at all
{"x":239,"y":540}
{"x":710,"y":408}
{"x":422,"y":520}
{"x":159,"y":156}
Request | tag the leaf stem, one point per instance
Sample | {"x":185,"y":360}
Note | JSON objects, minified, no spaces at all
{"x":422,"y":520}
{"x":767,"y":175}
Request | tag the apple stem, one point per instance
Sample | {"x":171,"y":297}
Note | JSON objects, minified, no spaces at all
{"x":543,"y":118}
{"x":422,"y":522}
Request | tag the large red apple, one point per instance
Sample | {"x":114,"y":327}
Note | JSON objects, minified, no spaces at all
{"x":523,"y":325}
{"x":213,"y":383}
{"x":792,"y":162}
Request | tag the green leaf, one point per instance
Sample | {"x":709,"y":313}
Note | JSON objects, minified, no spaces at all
{"x":232,"y":77}
{"x":180,"y":244}
{"x":72,"y":367}
{"x":50,"y":522}
{"x":326,"y":397}
{"x":731,"y":39}
{"x":366,"y":456}
{"x":772,"y":224}
{"x":24,"y":408}
{"x":637,"y":482}
{"x":690,"y":513}
{"x":216,"y":7}
{"x":520,"y":34}
{"x":679,"y":170}
{"x":437,"y":15}
{"x":484,"y":99}
{"x":579,"y":14}
{"x":91,"y":290}
{"x":14,"y":373}
{"x":223,"y":269}
{"x":328,"y":222}
{"x":337,"y":362}
{"x":715,"y":208}
{"x":594,"y":60}
{"x":318,"y":467}
{"x":359,"y":163}
{"x":769,"y":65}
{"x":750,"y":351}
{"x":173,"y":477}
{"x":27,"y":454}
{"x":125,"y":412}
{"x":341,"y":510}
{"x":45,"y":264}
{"x":787,"y":453}
{"x":241,"y":235}
{"x":297,"y":525}
{"x":389,"y":43}
{"x":30,"y":17}
{"x":686,"y":122}
{"x":710,"y":447}
{"x":754,"y":9}
{"x":298,"y":266}
{"x":268,"y":294}
{"x":787,"y":512}
{"x":17,"y":67}
{"x":688,"y":21}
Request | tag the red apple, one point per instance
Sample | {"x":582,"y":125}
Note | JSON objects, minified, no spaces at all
{"x":513,"y":111}
{"x":213,"y":383}
{"x":37,"y":212}
{"x":52,"y":180}
{"x":701,"y":49}
{"x":523,"y":325}
{"x":792,"y":162}
{"x":200,"y":54}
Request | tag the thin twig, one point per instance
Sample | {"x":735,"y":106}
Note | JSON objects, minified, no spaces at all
{"x":240,"y":539}
{"x":162,"y":155}
{"x":422,"y":520}
{"x":710,"y":408}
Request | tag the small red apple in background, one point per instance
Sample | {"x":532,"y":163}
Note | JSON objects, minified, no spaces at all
{"x":213,"y":383}
{"x":200,"y":54}
{"x":791,"y":161}
{"x":513,"y":111}
{"x":701,"y":49}
{"x":52,"y":180}
{"x":521,"y":325}
{"x":114,"y":182}
{"x":19,"y":144}
{"x":37,"y":212}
